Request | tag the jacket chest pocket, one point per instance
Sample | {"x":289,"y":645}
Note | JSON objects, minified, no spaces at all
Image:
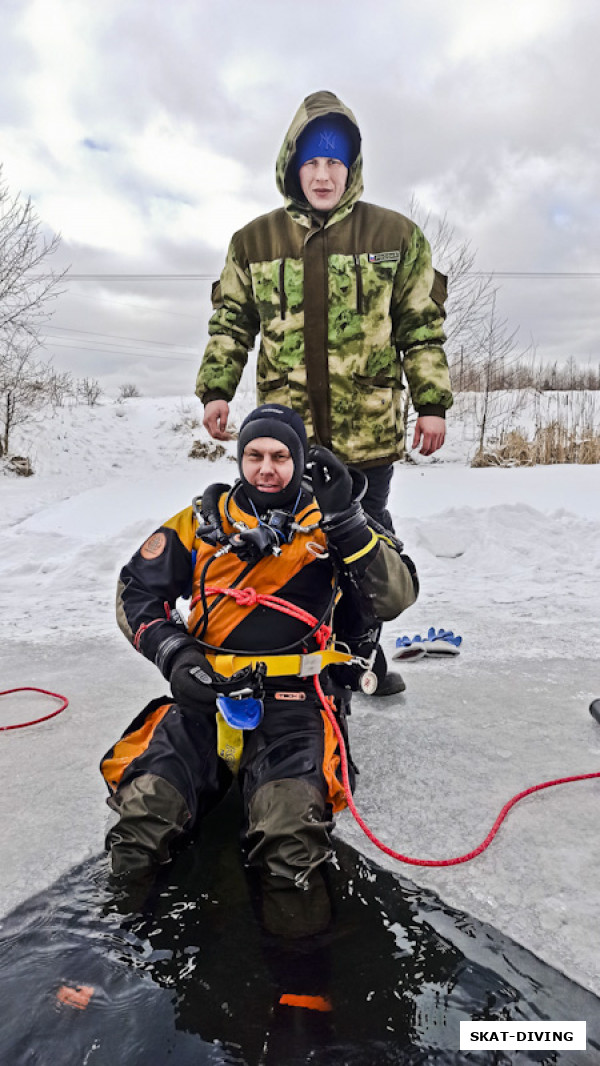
{"x":360,"y":286}
{"x":345,"y":284}
{"x":278,"y":288}
{"x":377,"y":286}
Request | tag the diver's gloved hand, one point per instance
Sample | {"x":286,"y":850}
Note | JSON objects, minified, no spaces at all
{"x":192,"y":678}
{"x":344,"y":520}
{"x":331,"y":481}
{"x":195,"y":685}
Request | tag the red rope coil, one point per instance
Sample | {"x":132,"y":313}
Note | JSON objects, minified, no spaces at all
{"x":429,"y":862}
{"x":44,"y":717}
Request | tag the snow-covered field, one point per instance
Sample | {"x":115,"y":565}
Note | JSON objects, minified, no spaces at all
{"x":517,"y":547}
{"x":509,"y":558}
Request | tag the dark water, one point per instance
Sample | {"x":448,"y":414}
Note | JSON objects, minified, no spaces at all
{"x":192,"y":978}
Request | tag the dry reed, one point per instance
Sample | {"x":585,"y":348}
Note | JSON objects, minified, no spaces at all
{"x":551,"y":444}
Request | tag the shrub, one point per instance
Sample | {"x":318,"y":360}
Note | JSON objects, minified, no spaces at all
{"x":208,"y":450}
{"x":128,"y":391}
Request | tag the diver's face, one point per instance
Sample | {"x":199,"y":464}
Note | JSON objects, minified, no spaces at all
{"x":267,"y":464}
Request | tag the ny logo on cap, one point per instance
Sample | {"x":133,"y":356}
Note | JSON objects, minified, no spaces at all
{"x":327,"y":140}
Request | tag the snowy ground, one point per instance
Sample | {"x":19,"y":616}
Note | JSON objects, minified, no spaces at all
{"x":508,"y":558}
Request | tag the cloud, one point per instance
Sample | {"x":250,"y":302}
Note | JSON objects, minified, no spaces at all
{"x":486,"y":31}
{"x":147,"y":134}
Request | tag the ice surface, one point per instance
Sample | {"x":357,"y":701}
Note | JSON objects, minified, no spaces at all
{"x":508,"y":558}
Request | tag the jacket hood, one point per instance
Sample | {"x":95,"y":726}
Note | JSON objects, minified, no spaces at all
{"x":315,"y":106}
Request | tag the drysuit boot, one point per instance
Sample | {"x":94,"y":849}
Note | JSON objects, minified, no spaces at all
{"x":389,"y":682}
{"x":295,"y":910}
{"x":130,"y":891}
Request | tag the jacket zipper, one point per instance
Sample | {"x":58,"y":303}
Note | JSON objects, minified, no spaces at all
{"x":282,"y":300}
{"x":359,"y":285}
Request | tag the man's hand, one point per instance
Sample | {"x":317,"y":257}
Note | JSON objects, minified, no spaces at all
{"x":191,"y":679}
{"x":430,"y":433}
{"x":195,"y":685}
{"x":216,"y":413}
{"x":331,"y":481}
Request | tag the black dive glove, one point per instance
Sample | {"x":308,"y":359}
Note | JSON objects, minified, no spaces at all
{"x":191,"y":677}
{"x":195,"y":685}
{"x":344,"y":521}
{"x":331,"y":481}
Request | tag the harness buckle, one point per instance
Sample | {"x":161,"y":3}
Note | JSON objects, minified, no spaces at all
{"x":310,"y":665}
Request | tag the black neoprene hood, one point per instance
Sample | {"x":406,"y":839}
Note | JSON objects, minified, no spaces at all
{"x":283,"y":424}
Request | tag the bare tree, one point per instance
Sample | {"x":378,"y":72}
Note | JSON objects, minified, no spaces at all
{"x":24,"y":386}
{"x":27,"y":288}
{"x":499,"y":353}
{"x":60,"y":387}
{"x":470,"y":295}
{"x":89,"y":390}
{"x":484,"y":356}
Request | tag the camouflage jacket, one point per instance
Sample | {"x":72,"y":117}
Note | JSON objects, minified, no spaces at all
{"x":344,"y":304}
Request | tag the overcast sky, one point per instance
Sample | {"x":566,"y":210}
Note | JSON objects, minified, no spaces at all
{"x":146,"y":133}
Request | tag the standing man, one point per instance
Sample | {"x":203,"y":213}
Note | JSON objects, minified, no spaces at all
{"x":347,"y":303}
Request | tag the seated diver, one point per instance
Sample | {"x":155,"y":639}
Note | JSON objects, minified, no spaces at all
{"x":269,"y":570}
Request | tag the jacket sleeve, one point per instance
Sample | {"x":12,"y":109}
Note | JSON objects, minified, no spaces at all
{"x":149,"y":585}
{"x":385,"y":580}
{"x":418,"y":326}
{"x":232,"y":328}
{"x":377,"y":579}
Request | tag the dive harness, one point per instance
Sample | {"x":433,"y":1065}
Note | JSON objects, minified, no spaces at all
{"x":241,"y":707}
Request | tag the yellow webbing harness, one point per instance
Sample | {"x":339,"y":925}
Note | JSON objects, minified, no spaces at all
{"x":230,"y":741}
{"x":279,"y":665}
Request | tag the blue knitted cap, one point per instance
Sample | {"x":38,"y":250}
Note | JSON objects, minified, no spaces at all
{"x":327,"y":137}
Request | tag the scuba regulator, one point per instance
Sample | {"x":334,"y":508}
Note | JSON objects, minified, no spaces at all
{"x":266,"y":538}
{"x":249,"y":544}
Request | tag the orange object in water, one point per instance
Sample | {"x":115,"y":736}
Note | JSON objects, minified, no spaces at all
{"x":321,"y":1003}
{"x":79,"y":996}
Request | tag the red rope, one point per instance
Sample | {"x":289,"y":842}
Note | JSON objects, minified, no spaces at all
{"x":44,"y":718}
{"x":429,"y":862}
{"x":249,"y":597}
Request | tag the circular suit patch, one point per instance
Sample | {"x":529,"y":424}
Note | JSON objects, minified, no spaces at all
{"x":154,"y":546}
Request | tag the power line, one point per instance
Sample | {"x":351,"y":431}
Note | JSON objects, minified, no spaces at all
{"x":97,"y":298}
{"x":131,"y":352}
{"x":211,"y":277}
{"x":139,"y":277}
{"x":533,"y":274}
{"x":116,"y":337}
